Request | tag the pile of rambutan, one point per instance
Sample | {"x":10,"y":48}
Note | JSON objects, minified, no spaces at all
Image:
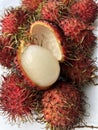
{"x":48,"y":45}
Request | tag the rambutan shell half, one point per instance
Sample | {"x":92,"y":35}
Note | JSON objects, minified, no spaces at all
{"x":38,"y":65}
{"x":47,"y":35}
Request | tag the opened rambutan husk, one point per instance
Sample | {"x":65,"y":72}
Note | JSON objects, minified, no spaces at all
{"x":16,"y":99}
{"x":50,"y":36}
{"x":63,"y":106}
{"x":86,"y":10}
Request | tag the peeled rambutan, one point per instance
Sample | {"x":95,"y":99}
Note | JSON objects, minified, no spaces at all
{"x":72,"y":27}
{"x":12,"y":20}
{"x":80,"y":71}
{"x":31,"y":5}
{"x":85,"y":10}
{"x":34,"y":63}
{"x":16,"y":99}
{"x":53,"y":10}
{"x":63,"y":106}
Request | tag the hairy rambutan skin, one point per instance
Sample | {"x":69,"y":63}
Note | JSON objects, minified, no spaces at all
{"x":53,"y":10}
{"x":85,"y":10}
{"x":7,"y":56}
{"x":80,"y":71}
{"x":12,"y":20}
{"x":31,"y":5}
{"x":63,"y":105}
{"x":9,"y":24}
{"x":87,"y":40}
{"x":7,"y":52}
{"x":16,"y":98}
{"x":68,"y":2}
{"x":73,"y":27}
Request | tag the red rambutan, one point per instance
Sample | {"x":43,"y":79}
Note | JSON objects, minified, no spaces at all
{"x":85,"y":10}
{"x":12,"y":20}
{"x":63,"y":106}
{"x":53,"y":10}
{"x":31,"y":5}
{"x":72,"y":27}
{"x":87,"y":40}
{"x":7,"y":55}
{"x":16,"y":98}
{"x":81,"y":71}
{"x":68,"y":2}
{"x":5,"y":41}
{"x":9,"y":24}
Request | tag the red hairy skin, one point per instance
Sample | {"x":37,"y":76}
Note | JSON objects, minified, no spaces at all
{"x":7,"y":52}
{"x":13,"y":20}
{"x":9,"y":24}
{"x":16,"y":98}
{"x":85,"y":10}
{"x":53,"y":11}
{"x":63,"y":105}
{"x":68,"y":2}
{"x":31,"y":5}
{"x":7,"y":55}
{"x":87,"y":40}
{"x":80,"y":71}
{"x":73,"y":27}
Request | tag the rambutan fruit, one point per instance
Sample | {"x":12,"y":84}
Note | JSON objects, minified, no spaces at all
{"x":87,"y":40}
{"x":16,"y":99}
{"x":7,"y":52}
{"x":68,"y":2}
{"x":73,"y":27}
{"x":86,"y":10}
{"x":12,"y":20}
{"x":80,"y":71}
{"x":7,"y":55}
{"x":38,"y":65}
{"x":63,"y":106}
{"x":53,"y":10}
{"x":9,"y":24}
{"x":49,"y":36}
{"x":31,"y":5}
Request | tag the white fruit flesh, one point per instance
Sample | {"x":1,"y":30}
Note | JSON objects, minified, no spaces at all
{"x":40,"y":65}
{"x":45,"y":35}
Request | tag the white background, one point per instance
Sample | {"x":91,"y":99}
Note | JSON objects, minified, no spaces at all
{"x":91,"y":91}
